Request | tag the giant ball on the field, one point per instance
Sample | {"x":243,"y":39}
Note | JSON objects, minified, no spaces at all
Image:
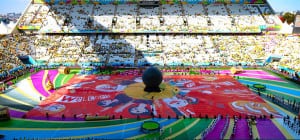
{"x":152,"y":78}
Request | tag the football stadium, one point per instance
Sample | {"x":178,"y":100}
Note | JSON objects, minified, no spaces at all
{"x":159,"y":69}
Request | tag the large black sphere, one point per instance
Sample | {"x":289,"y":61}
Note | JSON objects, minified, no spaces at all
{"x":152,"y":77}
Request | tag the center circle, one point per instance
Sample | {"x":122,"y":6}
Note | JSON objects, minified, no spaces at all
{"x":136,"y":91}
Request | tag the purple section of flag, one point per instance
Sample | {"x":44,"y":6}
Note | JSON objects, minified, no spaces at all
{"x":242,"y":131}
{"x":37,"y":81}
{"x":215,"y":133}
{"x":16,"y":114}
{"x":267,"y":130}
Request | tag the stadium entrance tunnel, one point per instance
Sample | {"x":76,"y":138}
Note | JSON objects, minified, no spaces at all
{"x":27,"y":60}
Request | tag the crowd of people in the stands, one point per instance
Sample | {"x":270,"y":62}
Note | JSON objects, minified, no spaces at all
{"x":165,"y":17}
{"x":156,"y":49}
{"x":145,"y":49}
{"x":13,"y":46}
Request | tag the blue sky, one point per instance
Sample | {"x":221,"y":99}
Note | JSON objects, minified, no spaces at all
{"x":8,"y":6}
{"x":285,"y":5}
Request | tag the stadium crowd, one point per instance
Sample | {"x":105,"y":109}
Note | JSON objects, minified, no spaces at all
{"x":157,"y":49}
{"x":142,"y":49}
{"x":179,"y":17}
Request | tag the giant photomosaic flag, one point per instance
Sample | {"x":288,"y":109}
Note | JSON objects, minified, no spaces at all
{"x":180,"y":96}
